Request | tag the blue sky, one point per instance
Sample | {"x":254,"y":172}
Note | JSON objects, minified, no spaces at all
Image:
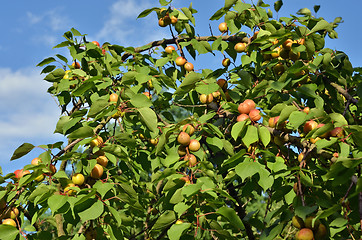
{"x":30,"y":29}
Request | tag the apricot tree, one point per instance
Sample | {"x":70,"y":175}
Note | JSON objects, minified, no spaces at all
{"x":265,"y":146}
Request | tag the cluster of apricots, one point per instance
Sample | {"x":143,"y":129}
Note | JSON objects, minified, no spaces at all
{"x":247,"y":110}
{"x":278,"y":51}
{"x":215,"y":96}
{"x":188,"y":145}
{"x":11,"y":214}
{"x":309,"y":229}
{"x":165,"y":19}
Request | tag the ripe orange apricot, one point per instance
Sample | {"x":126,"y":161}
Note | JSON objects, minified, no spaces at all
{"x":304,"y":234}
{"x":102,"y":160}
{"x":169,"y":49}
{"x":223,"y":27}
{"x":189,"y":66}
{"x":254,"y":115}
{"x":206,"y":99}
{"x":194,"y":145}
{"x":97,"y":171}
{"x":309,"y":126}
{"x":191,"y":159}
{"x":189,"y":129}
{"x":183,"y":138}
{"x":226,"y":62}
{"x":180,"y":61}
{"x":76,"y":65}
{"x":9,"y":221}
{"x":222,"y":83}
{"x":242,"y":117}
{"x":78,"y":179}
{"x":337,"y":132}
{"x":240,"y":47}
{"x":96,"y":43}
{"x":97,"y":142}
{"x":113,"y":97}
{"x":36,"y":161}
{"x":288,"y":44}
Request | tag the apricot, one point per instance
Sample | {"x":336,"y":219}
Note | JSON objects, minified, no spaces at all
{"x":189,"y":129}
{"x":254,"y":115}
{"x":242,"y":117}
{"x":183,"y":139}
{"x":97,"y":171}
{"x":194,"y":145}
{"x":297,"y":222}
{"x":304,"y":234}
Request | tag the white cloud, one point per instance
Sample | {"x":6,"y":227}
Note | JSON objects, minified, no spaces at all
{"x":123,"y":27}
{"x":52,"y":19}
{"x":28,"y":113}
{"x":33,"y":19}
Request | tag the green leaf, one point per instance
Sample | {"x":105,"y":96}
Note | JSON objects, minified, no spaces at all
{"x":162,"y":61}
{"x":83,"y":88}
{"x":146,"y":12}
{"x":24,"y":149}
{"x":265,"y":179}
{"x":82,"y":132}
{"x":8,"y":232}
{"x":229,"y":148}
{"x":48,"y":69}
{"x":215,"y":141}
{"x":176,"y":230}
{"x":75,"y":32}
{"x":188,"y":14}
{"x":164,"y":2}
{"x":205,"y":88}
{"x":103,"y":188}
{"x":191,"y":189}
{"x":264,"y":135}
{"x":61,"y":57}
{"x":188,"y":83}
{"x":316,"y":8}
{"x":284,"y":115}
{"x":116,"y":215}
{"x":215,"y":130}
{"x":55,"y":76}
{"x":218,"y":14}
{"x":251,"y":135}
{"x":303,"y":212}
{"x":140,"y":100}
{"x":231,"y":215}
{"x":93,"y":212}
{"x":237,"y":129}
{"x":97,"y":107}
{"x":149,"y":117}
{"x":297,"y":118}
{"x":305,"y":12}
{"x":328,"y":212}
{"x":247,"y":169}
{"x":321,"y":25}
{"x":277,"y":5}
{"x":164,"y":220}
{"x":46,"y":61}
{"x":57,"y":201}
{"x":241,"y":6}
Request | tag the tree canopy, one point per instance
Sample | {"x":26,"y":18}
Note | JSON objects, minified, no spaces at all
{"x":265,"y":146}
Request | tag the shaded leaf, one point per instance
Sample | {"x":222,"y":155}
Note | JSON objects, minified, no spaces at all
{"x":24,"y":149}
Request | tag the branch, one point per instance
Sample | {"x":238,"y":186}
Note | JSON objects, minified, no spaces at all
{"x":59,"y":221}
{"x":341,"y":90}
{"x":150,"y":45}
{"x":241,"y":211}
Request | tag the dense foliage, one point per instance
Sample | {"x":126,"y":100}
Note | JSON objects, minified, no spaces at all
{"x":265,"y":145}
